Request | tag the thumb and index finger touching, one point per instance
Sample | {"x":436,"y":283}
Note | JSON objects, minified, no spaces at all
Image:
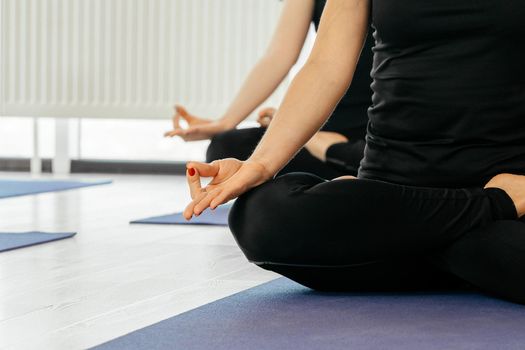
{"x":194,"y":172}
{"x":176,"y":118}
{"x":180,"y":112}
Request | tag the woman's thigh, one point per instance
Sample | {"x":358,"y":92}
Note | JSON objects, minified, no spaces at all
{"x":302,"y":219}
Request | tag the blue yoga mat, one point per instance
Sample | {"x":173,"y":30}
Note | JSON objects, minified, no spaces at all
{"x":218,"y":217}
{"x":284,"y":315}
{"x":10,"y":241}
{"x":15,"y":188}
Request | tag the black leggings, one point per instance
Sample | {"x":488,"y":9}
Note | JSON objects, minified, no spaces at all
{"x":357,"y":235}
{"x":342,"y":158}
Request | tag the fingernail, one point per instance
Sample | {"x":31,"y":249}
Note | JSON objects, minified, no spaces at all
{"x":191,"y":171}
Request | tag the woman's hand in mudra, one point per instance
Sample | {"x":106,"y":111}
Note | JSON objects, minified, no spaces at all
{"x":231,"y":178}
{"x":198,"y":128}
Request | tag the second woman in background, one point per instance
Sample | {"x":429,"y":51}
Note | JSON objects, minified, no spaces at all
{"x":335,"y":150}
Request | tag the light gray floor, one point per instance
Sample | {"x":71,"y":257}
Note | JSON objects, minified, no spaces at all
{"x":112,"y":278}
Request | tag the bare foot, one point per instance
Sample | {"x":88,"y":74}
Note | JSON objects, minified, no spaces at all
{"x":321,"y":141}
{"x":514,"y":185}
{"x":346,"y":177}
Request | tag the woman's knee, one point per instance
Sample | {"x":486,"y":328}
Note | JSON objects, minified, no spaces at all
{"x":236,"y":143}
{"x":221,"y":146}
{"x":262,"y":219}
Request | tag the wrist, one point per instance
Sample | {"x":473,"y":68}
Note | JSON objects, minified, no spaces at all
{"x":227,"y":123}
{"x":265,"y":167}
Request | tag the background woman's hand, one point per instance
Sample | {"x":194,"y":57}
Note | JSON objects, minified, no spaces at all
{"x":231,"y":178}
{"x":265,"y":116}
{"x":198,"y":128}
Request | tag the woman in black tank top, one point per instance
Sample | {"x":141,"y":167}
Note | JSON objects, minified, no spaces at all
{"x":440,"y":195}
{"x":336,"y":150}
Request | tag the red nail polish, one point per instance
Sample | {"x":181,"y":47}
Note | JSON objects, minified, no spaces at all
{"x":191,"y":171}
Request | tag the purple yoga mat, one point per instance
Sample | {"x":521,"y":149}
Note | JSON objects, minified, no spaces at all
{"x":284,"y":315}
{"x":16,"y":188}
{"x":11,"y":240}
{"x":217,"y":217}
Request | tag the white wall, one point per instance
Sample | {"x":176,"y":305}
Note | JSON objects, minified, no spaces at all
{"x":128,"y":58}
{"x":86,"y":72}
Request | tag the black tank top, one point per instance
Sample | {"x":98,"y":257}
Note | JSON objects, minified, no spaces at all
{"x":350,"y":116}
{"x":448,"y":108}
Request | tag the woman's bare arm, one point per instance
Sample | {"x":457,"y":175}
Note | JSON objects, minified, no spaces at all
{"x":319,"y":85}
{"x":313,"y":95}
{"x":281,"y":54}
